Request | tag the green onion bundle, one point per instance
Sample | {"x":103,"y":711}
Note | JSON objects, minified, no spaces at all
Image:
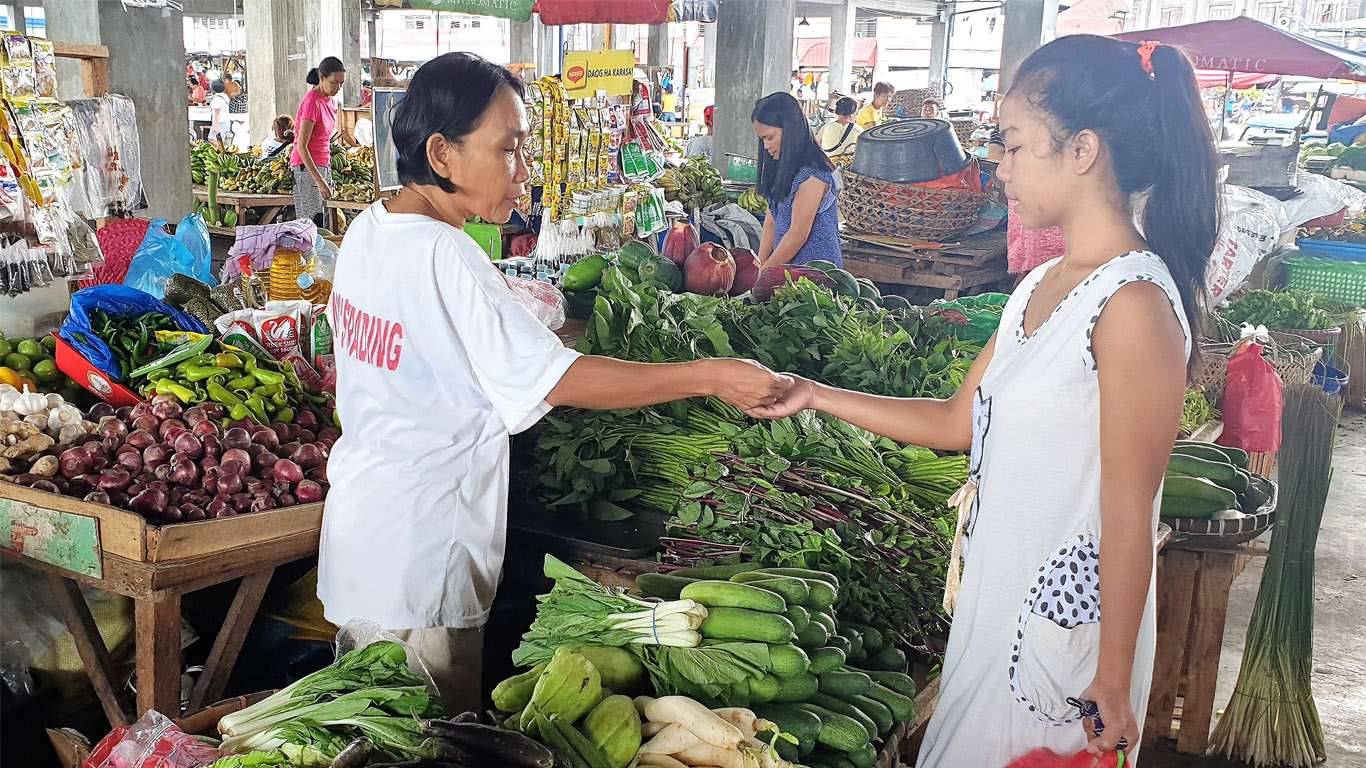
{"x":1271,"y":718}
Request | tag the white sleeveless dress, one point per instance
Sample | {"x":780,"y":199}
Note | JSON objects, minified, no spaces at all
{"x":1025,"y":633}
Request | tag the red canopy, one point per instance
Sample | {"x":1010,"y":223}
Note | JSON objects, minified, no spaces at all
{"x":1247,"y":45}
{"x":1092,"y":17}
{"x":560,"y":12}
{"x":1208,"y":78}
{"x":815,"y":52}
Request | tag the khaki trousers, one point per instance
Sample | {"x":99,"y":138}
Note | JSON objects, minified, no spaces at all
{"x":455,"y":657}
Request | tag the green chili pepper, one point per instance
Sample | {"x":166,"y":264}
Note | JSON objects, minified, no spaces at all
{"x":279,"y":399}
{"x":227,"y":360}
{"x":158,"y":374}
{"x":169,"y":387}
{"x":247,"y":382}
{"x":336,"y":419}
{"x":258,"y":408}
{"x":199,"y":373}
{"x":222,"y":396}
{"x":265,"y":377}
{"x":240,"y":412}
{"x":285,"y":414}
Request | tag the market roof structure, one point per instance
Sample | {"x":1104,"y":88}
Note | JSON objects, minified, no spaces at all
{"x":814,"y":52}
{"x":1247,"y":45}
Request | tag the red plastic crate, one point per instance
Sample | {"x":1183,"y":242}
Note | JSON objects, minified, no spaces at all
{"x":74,"y":364}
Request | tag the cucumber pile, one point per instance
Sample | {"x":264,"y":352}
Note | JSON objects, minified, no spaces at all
{"x":1204,"y":481}
{"x":839,"y":688}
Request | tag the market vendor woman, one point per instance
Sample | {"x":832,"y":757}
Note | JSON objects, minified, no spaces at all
{"x":438,"y":363}
{"x":311,"y":158}
{"x":798,"y":181}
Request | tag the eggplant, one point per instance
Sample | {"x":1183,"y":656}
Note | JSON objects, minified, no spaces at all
{"x":356,"y":754}
{"x":507,"y":747}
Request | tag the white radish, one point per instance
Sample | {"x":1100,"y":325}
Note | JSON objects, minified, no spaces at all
{"x":768,"y":757}
{"x":739,"y":717}
{"x":710,"y":754}
{"x":649,"y":729}
{"x":661,"y":761}
{"x":696,"y":718}
{"x":640,"y":702}
{"x":672,"y":740}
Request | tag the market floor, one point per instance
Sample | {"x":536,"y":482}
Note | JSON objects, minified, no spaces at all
{"x":1340,"y":615}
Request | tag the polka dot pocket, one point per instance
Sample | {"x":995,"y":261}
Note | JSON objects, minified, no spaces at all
{"x":1053,"y":657}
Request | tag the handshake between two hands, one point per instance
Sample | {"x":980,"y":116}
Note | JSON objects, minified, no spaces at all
{"x":759,"y":392}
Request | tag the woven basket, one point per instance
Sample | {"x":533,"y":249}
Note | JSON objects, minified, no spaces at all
{"x":909,"y":102}
{"x":1291,"y":364}
{"x":1229,"y":533}
{"x":876,"y":207}
{"x":964,"y":127}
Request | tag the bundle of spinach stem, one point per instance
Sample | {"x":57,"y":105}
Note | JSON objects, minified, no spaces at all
{"x":1271,"y":718}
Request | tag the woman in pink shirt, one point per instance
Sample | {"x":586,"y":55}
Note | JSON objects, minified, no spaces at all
{"x":311,"y":158}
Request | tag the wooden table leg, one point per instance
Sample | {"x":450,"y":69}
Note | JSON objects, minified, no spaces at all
{"x":1175,"y":592}
{"x":89,"y":644}
{"x":268,"y":214}
{"x":230,"y":638}
{"x":1207,"y":640}
{"x":158,"y":654}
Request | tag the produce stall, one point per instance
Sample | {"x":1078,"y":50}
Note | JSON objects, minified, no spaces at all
{"x":266,"y":208}
{"x":971,"y":265}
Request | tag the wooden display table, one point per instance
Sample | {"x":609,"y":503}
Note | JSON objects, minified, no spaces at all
{"x":76,"y":542}
{"x":954,"y":268}
{"x":1193,"y":582}
{"x":239,"y":202}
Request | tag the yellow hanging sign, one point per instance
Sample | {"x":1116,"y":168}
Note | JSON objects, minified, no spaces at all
{"x":587,"y":72}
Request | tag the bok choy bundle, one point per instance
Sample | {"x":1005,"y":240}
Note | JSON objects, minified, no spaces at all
{"x":578,"y":611}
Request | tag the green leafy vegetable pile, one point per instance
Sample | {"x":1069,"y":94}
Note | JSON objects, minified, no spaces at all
{"x":1290,"y":310}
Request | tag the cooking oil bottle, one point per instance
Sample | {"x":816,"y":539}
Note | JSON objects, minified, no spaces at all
{"x":285,"y":269}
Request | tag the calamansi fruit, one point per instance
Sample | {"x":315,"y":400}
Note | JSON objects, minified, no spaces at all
{"x":18,"y":362}
{"x":46,"y":371}
{"x":30,"y":349}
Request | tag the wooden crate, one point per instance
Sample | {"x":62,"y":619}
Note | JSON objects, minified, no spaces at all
{"x":91,"y":531}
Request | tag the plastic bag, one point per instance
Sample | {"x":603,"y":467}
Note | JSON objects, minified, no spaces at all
{"x":543,"y":299}
{"x":193,"y":233}
{"x":1251,"y":404}
{"x":160,"y":256}
{"x":1047,"y":758}
{"x":983,"y":312}
{"x":152,"y":742}
{"x":358,"y":633}
{"x":114,"y":300}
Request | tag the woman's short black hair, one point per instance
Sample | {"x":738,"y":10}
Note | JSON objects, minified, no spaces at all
{"x":217,"y":86}
{"x":326,"y":68}
{"x":846,"y":106}
{"x":448,"y":95}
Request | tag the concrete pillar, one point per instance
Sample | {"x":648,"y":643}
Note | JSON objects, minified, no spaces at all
{"x":597,"y":37}
{"x":147,"y":64}
{"x":754,"y":48}
{"x":522,"y":38}
{"x":940,"y":32}
{"x":709,"y":57}
{"x":282,"y":43}
{"x":72,"y":21}
{"x":657,"y":48}
{"x":372,"y":34}
{"x":339,"y":35}
{"x":842,"y":47}
{"x":548,"y":49}
{"x":1028,"y":24}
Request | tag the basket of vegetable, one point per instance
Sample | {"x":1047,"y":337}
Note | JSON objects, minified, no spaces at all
{"x":1307,"y":315}
{"x":1209,"y":494}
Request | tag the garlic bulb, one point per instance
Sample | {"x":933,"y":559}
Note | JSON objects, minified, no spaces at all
{"x":63,"y":415}
{"x":30,"y":402}
{"x":71,"y":433}
{"x":8,"y":398}
{"x":39,"y":420}
{"x":54,"y":400}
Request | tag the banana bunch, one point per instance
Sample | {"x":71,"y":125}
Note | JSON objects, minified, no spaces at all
{"x":695,"y":184}
{"x":752,"y":201}
{"x":206,"y":158}
{"x":353,"y":172}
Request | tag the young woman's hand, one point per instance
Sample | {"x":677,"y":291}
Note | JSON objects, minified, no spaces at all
{"x":799,"y":397}
{"x":746,"y":384}
{"x":324,"y":188}
{"x":1117,"y":712}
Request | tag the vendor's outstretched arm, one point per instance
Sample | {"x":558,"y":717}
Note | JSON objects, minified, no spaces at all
{"x":602,"y":383}
{"x":944,"y":425}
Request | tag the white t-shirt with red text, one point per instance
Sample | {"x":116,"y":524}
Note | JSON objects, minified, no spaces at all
{"x":438,"y":363}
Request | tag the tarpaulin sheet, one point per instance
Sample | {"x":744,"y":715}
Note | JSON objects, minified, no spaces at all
{"x":561,"y":12}
{"x":1247,"y":45}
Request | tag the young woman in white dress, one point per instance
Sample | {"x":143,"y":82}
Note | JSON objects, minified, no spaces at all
{"x":1071,"y":409}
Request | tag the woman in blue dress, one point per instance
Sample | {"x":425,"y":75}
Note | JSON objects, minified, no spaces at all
{"x":798,"y":181}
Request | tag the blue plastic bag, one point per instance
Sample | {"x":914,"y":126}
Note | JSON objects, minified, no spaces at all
{"x":115,"y":300}
{"x":158,"y":257}
{"x":193,"y":233}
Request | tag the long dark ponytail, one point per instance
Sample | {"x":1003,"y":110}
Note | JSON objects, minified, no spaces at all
{"x":799,"y":148}
{"x":1154,"y":126}
{"x":326,"y":68}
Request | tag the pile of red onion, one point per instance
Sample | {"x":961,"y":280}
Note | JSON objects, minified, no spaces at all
{"x":170,"y":464}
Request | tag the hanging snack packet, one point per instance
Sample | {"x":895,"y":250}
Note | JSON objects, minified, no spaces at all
{"x":17,"y":76}
{"x":44,"y":68}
